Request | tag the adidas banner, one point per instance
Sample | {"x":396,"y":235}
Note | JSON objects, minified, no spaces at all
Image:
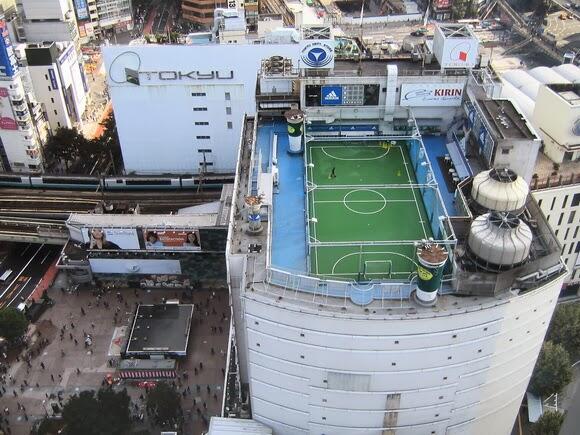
{"x":331,"y":95}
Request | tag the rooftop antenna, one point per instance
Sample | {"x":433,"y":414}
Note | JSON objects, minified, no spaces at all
{"x":362,"y":9}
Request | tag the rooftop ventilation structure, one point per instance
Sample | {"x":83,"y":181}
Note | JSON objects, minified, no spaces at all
{"x":499,"y":241}
{"x":500,"y":190}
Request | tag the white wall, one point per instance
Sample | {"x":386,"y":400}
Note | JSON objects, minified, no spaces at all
{"x":52,"y":99}
{"x":156,"y":121}
{"x":45,"y":9}
{"x":50,"y":31}
{"x":461,"y":373}
{"x":564,"y":219}
{"x":138,"y":266}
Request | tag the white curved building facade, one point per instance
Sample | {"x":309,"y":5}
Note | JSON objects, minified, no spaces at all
{"x":460,"y":369}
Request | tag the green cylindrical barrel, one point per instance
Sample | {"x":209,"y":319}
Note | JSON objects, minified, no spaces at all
{"x":432,"y":259}
{"x":295,"y":119}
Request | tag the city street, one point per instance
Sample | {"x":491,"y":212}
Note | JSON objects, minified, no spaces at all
{"x":29,"y":262}
{"x":57,"y":364}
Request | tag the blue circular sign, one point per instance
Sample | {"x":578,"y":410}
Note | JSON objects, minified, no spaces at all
{"x":317,"y":57}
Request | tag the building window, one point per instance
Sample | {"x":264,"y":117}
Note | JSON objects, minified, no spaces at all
{"x":228,"y":96}
{"x":505,"y":151}
{"x":200,"y":109}
{"x":560,"y":219}
{"x":202,"y":137}
{"x":230,"y":125}
{"x":565,"y":201}
{"x":553,"y":202}
{"x":58,"y":124}
{"x":198,"y":94}
{"x":540,"y":202}
{"x":46,"y":77}
{"x":52,"y":100}
{"x":201,"y":123}
{"x":572,"y":217}
{"x":575,"y":200}
{"x":228,"y":110}
{"x":55,"y":112}
{"x":49,"y":89}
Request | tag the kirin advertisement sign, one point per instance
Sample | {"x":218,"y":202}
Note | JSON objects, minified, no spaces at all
{"x":432,"y":94}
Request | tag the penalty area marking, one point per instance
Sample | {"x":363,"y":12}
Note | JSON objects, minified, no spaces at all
{"x":371,"y":253}
{"x":356,"y":158}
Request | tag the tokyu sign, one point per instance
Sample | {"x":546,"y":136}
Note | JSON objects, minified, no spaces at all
{"x":126,"y":68}
{"x":432,"y":94}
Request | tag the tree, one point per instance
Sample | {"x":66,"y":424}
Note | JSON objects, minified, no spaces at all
{"x":548,"y":424}
{"x":66,"y":144}
{"x":565,"y":329}
{"x":114,"y":407}
{"x":460,"y":8}
{"x":164,"y":404}
{"x":109,"y":143}
{"x":105,"y":413}
{"x":552,"y":372}
{"x":13,"y":323}
{"x":81,"y":414}
{"x":47,"y":426}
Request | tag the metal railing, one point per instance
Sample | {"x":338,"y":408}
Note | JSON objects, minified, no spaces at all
{"x":346,"y":291}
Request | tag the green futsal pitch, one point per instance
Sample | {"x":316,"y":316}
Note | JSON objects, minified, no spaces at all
{"x":365,"y":210}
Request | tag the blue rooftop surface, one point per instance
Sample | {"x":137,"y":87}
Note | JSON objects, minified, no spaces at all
{"x":435,"y":146}
{"x":289,"y":229}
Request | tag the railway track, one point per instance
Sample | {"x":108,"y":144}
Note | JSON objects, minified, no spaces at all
{"x":58,"y":205}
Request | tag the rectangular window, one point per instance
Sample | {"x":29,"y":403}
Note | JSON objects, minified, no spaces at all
{"x":572,"y":217}
{"x":202,"y":137}
{"x":313,"y":95}
{"x":55,"y":112}
{"x":575,"y":200}
{"x":353,"y":95}
{"x":228,"y":96}
{"x":567,"y":232}
{"x":540,"y":202}
{"x":49,"y":89}
{"x":52,"y":100}
{"x":571,"y":248}
{"x":553,"y":202}
{"x":565,"y":201}
{"x":577,"y":247}
{"x":58,"y":124}
{"x":198,"y":94}
{"x":560,"y":219}
{"x":201,"y":123}
{"x":200,"y":109}
{"x":230,"y":125}
{"x":505,"y":151}
{"x":46,"y":76}
{"x":576,"y":232}
{"x":228,"y":110}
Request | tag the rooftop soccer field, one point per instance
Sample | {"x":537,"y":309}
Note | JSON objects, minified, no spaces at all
{"x":365,"y":210}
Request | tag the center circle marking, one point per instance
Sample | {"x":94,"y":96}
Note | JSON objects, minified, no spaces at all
{"x":380,"y":197}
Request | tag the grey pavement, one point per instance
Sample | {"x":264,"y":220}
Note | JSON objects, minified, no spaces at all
{"x":83,"y":368}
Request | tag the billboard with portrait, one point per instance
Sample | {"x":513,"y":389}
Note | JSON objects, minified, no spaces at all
{"x":7,"y":120}
{"x":98,"y":238}
{"x":171,"y":240}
